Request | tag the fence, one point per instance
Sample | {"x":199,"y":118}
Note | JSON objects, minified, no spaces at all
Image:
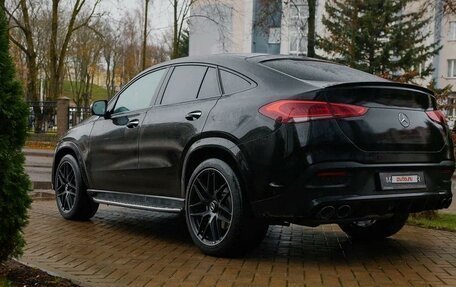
{"x":43,"y":116}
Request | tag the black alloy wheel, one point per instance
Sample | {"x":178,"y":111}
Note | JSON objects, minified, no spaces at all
{"x":71,"y":196}
{"x":65,"y":188}
{"x":218,"y":216}
{"x":210,"y":206}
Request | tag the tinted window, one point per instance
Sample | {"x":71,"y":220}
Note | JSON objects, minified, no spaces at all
{"x":232,"y":83}
{"x":209,"y":87}
{"x":139,"y":94}
{"x":319,"y":71}
{"x":184,"y":84}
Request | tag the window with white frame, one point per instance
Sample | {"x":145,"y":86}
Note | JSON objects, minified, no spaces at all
{"x":297,"y":27}
{"x":452,"y":31}
{"x":451,"y":68}
{"x":451,"y":110}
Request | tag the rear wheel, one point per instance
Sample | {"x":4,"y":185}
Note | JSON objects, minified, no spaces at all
{"x":217,"y":213}
{"x":71,"y":196}
{"x":375,"y":229}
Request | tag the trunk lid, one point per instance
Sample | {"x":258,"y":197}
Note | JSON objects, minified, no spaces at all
{"x":396,"y":120}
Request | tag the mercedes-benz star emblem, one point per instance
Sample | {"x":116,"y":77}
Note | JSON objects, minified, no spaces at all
{"x":404,"y":120}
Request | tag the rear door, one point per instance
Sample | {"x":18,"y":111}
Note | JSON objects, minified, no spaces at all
{"x":173,"y":124}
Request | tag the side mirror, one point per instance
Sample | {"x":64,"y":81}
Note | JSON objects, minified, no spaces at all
{"x":99,"y":108}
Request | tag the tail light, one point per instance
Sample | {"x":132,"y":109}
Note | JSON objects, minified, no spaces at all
{"x":295,"y":111}
{"x":437,"y":116}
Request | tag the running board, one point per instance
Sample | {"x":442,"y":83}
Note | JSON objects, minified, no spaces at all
{"x":137,"y":201}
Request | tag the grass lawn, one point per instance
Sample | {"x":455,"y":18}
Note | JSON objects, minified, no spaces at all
{"x":98,"y":92}
{"x":444,"y":221}
{"x":4,"y":282}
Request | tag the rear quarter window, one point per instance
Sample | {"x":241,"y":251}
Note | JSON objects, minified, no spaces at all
{"x":233,"y":83}
{"x":319,"y":71}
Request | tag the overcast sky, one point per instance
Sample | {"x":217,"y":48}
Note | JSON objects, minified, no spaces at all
{"x":160,"y":12}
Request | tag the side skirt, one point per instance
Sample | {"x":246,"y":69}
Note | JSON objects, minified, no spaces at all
{"x":138,"y":201}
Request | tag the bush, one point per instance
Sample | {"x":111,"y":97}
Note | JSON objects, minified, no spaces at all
{"x":14,"y":183}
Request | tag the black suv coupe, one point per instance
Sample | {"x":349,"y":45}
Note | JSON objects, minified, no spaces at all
{"x":240,"y":142}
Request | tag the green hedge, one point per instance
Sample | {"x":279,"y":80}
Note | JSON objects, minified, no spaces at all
{"x":14,"y":183}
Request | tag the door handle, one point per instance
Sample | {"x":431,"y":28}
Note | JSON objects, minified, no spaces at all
{"x":193,"y":115}
{"x":133,"y":124}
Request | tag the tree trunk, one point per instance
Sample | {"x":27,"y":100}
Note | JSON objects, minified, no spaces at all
{"x":311,"y":29}
{"x":144,"y":48}
{"x":175,"y":31}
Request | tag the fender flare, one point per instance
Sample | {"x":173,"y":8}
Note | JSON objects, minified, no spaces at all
{"x":223,"y":144}
{"x":65,"y":147}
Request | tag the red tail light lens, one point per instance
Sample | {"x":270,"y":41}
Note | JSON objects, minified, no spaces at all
{"x":437,"y":116}
{"x":288,"y":111}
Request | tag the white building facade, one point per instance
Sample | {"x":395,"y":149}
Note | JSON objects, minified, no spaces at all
{"x":228,"y":27}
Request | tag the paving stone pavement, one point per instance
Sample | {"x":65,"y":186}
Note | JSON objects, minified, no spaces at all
{"x":122,"y":247}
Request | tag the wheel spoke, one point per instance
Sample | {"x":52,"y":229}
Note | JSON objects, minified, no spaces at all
{"x":203,"y":235}
{"x":222,"y":217}
{"x":226,"y":210}
{"x":71,"y":177}
{"x":221,"y":188}
{"x":73,"y":194}
{"x":70,"y":185}
{"x":214,"y":190}
{"x":214,"y":229}
{"x":225,"y":196}
{"x":202,"y":194}
{"x":61,"y":176}
{"x":196,"y":204}
{"x":203,"y":213}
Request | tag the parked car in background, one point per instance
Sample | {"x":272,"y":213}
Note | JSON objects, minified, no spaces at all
{"x":240,"y":142}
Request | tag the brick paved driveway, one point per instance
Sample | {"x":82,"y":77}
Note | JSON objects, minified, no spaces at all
{"x":121,"y":247}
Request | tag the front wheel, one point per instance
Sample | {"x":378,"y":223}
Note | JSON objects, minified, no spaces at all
{"x":71,"y":196}
{"x":217,"y":213}
{"x":375,"y":229}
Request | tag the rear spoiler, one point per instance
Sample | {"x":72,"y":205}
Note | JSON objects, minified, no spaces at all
{"x":382,"y":84}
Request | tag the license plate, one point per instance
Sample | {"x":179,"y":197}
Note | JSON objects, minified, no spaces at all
{"x":402,"y":180}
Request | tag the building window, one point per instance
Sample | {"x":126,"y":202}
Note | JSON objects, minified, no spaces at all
{"x":451,"y":68}
{"x":451,"y":111}
{"x":297,"y":27}
{"x":452,"y":31}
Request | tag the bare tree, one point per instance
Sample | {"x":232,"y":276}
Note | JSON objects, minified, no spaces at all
{"x":82,"y":63}
{"x":59,"y":45}
{"x":449,"y":7}
{"x":21,"y":35}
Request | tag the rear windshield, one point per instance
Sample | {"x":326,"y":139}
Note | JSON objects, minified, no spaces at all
{"x":319,"y":71}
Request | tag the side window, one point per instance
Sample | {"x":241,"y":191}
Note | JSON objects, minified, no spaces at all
{"x":209,"y":87}
{"x":184,"y":84}
{"x":232,"y":83}
{"x":139,"y":94}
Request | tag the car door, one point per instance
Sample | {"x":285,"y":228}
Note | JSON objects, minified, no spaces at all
{"x":113,"y":152}
{"x":173,"y":123}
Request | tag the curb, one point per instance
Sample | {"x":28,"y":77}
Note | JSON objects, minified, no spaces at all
{"x":41,"y":185}
{"x":37,"y":152}
{"x":40,"y":194}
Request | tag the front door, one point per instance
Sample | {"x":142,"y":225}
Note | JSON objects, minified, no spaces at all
{"x":113,"y":153}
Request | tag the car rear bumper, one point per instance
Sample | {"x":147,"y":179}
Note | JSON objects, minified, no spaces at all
{"x":312,"y":200}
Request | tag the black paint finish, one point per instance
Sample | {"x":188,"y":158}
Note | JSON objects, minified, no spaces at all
{"x":151,"y":151}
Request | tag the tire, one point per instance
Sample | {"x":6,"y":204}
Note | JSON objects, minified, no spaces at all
{"x":71,"y":195}
{"x":217,"y":213}
{"x":375,"y":229}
